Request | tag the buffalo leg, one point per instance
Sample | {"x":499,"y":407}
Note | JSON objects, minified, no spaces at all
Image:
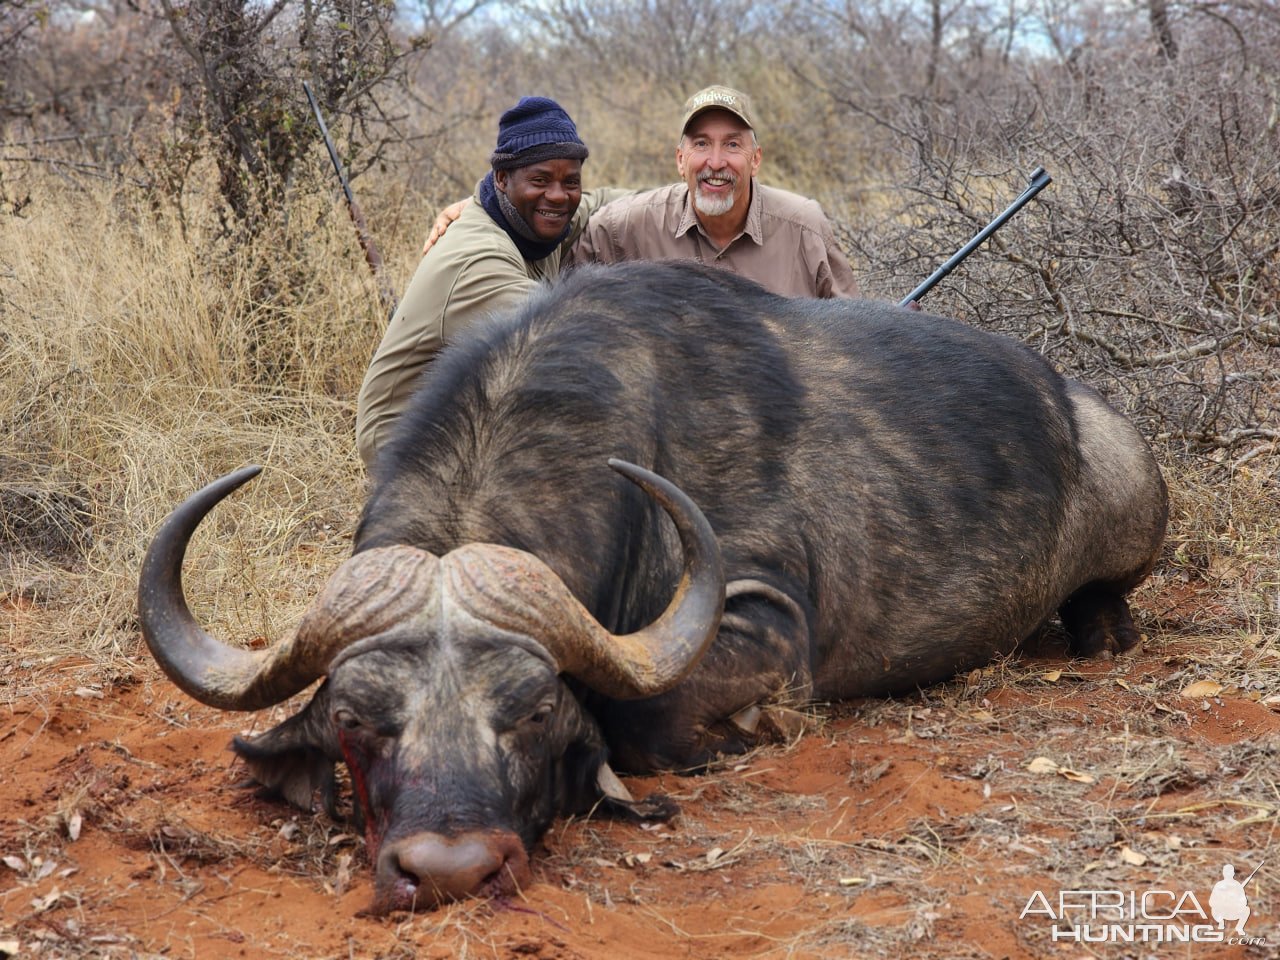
{"x":1097,"y":621}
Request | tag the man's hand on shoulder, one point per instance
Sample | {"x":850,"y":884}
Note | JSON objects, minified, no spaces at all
{"x":446,"y":217}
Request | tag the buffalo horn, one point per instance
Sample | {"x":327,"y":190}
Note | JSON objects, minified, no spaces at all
{"x":517,"y":591}
{"x":369,"y":593}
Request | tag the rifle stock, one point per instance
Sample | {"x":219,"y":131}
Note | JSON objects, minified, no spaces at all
{"x":1039,"y":180}
{"x":371,"y":253}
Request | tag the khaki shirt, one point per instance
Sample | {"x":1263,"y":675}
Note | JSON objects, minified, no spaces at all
{"x":787,"y":244}
{"x":474,"y":270}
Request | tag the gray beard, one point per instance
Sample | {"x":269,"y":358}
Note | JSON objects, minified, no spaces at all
{"x":712,"y":206}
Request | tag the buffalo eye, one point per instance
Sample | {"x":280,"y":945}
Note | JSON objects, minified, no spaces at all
{"x":540,"y":715}
{"x":345,"y":719}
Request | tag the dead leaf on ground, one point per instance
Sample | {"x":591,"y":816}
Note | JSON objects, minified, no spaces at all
{"x":41,"y":904}
{"x":875,"y":773}
{"x":1202,"y":688}
{"x":1045,"y":765}
{"x":1132,"y":857}
{"x":342,"y":879}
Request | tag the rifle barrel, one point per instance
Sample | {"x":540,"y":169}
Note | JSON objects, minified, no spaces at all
{"x":372,"y":255}
{"x":328,"y":142}
{"x":1039,"y":180}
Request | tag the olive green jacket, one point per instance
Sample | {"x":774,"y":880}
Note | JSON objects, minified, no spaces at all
{"x":474,"y":270}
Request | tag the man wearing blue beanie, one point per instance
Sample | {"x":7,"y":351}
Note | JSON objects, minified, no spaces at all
{"x":538,"y":147}
{"x":528,"y":207}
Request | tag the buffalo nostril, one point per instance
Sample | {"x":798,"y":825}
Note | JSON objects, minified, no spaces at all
{"x":428,"y":869}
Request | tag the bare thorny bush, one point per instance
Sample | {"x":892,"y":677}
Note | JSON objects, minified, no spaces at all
{"x":1149,"y":267}
{"x":150,"y":88}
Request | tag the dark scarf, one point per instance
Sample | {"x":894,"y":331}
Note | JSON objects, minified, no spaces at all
{"x":502,"y":212}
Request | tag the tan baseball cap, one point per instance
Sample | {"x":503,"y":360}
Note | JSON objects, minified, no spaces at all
{"x":718,"y":98}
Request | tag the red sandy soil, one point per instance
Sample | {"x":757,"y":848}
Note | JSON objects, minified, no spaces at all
{"x":918,"y":827}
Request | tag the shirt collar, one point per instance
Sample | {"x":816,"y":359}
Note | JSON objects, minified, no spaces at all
{"x":753,"y":227}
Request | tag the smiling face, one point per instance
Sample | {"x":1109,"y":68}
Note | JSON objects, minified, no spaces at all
{"x":546,"y":194}
{"x":717,"y":157}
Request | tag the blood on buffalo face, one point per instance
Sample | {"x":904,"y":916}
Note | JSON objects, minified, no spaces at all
{"x":460,"y":752}
{"x":443,"y":693}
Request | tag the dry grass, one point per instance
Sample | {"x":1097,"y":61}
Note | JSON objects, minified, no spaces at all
{"x":140,"y":357}
{"x":135,"y":366}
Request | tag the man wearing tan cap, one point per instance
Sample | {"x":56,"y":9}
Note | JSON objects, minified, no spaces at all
{"x":720,"y":214}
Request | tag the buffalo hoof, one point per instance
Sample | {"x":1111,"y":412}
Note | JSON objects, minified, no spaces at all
{"x":1098,"y":623}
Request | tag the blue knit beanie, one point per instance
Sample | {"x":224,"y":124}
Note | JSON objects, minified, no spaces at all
{"x":536,"y":129}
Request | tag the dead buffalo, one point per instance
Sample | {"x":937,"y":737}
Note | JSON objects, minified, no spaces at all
{"x":865,"y":500}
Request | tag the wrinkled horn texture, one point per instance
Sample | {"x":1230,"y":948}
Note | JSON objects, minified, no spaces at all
{"x":516,"y":591}
{"x":369,"y":594}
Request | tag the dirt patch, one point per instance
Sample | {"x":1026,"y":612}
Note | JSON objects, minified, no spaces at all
{"x":918,"y":827}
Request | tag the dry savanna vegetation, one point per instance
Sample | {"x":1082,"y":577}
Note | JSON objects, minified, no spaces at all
{"x":181,"y":293}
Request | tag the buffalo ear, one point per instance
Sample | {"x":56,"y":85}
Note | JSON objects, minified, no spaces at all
{"x":290,"y":761}
{"x":616,"y":800}
{"x":655,"y":808}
